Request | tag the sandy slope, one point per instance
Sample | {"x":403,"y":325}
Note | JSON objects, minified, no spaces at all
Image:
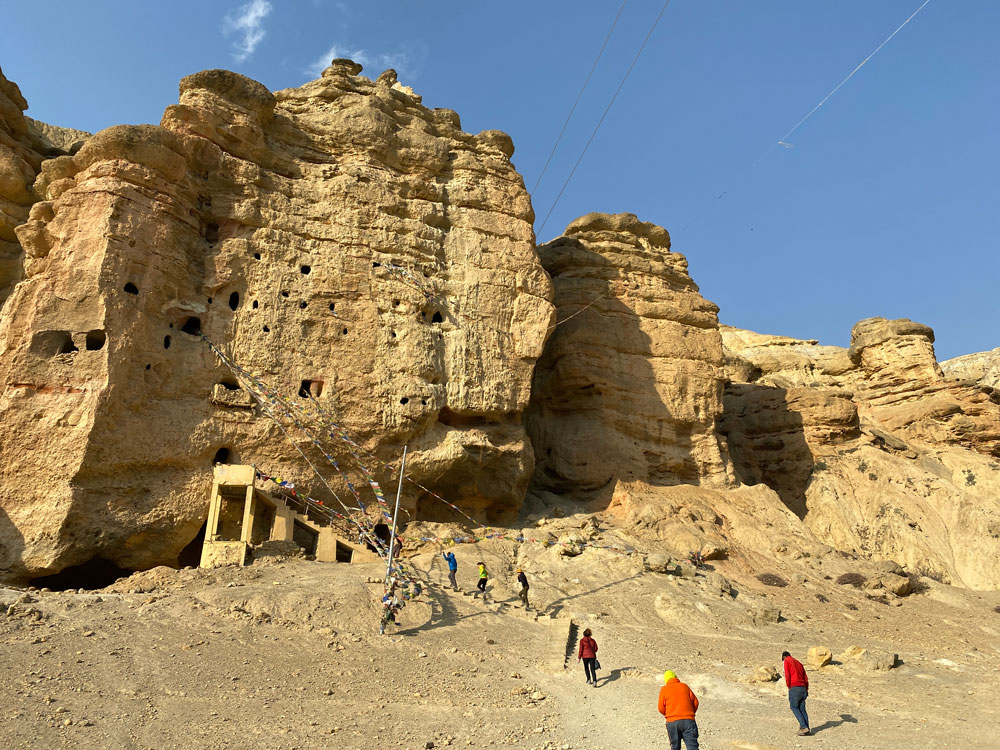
{"x":286,"y":655}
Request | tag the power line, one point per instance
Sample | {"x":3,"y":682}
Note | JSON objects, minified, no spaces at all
{"x":606,"y":110}
{"x":578,"y":97}
{"x":851,"y":74}
{"x":783,"y":140}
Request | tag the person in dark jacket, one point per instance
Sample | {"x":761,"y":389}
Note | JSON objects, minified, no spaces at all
{"x":452,"y":568}
{"x":798,"y":690}
{"x":678,"y":705}
{"x":588,"y":653}
{"x":523,"y":580}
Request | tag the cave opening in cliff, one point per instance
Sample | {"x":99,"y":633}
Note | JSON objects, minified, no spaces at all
{"x":234,"y":301}
{"x":212,"y":234}
{"x":190,"y":556}
{"x":192,"y":326}
{"x":166,"y":342}
{"x":222,"y":456}
{"x":305,"y":270}
{"x":67,"y":346}
{"x":437,"y":318}
{"x":96,"y":573}
{"x":311,"y":387}
{"x":131,"y":288}
{"x":230,"y":385}
{"x":382,"y":533}
{"x":96,"y":340}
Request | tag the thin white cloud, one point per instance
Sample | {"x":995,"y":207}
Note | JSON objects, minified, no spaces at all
{"x":374,"y":62}
{"x":248,"y":23}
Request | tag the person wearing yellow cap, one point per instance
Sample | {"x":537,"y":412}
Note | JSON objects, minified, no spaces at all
{"x":678,"y":705}
{"x":523,"y":580}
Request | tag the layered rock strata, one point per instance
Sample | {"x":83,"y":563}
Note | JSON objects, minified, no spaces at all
{"x":630,"y":384}
{"x":982,"y":368}
{"x":339,"y":240}
{"x":21,"y":154}
{"x":910,"y":476}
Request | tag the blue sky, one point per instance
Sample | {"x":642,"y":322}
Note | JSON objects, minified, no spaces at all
{"x":886,"y":203}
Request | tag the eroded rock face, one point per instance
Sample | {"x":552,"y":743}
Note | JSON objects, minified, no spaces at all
{"x":776,"y":435}
{"x":911,"y":477}
{"x":982,"y":368}
{"x":56,"y":138}
{"x":630,"y":385}
{"x":339,"y":238}
{"x":21,"y":155}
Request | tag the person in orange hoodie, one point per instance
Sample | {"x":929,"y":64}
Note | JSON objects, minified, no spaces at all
{"x":678,"y":705}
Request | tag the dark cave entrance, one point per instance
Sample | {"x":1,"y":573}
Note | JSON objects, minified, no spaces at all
{"x":382,"y":533}
{"x":190,"y":556}
{"x":96,"y":573}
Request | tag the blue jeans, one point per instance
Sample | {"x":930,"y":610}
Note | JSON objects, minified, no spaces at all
{"x":686,"y":729}
{"x":797,"y":700}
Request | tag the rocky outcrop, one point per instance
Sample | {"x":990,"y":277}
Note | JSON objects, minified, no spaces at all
{"x":630,"y":384}
{"x":20,"y":159}
{"x":982,"y":368}
{"x":339,"y":240}
{"x":890,"y":373}
{"x":777,"y":435}
{"x":59,"y":139}
{"x":903,"y":388}
{"x":784,"y":362}
{"x":879,"y":453}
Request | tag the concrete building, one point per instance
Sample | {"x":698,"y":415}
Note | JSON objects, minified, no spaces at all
{"x":242,"y":515}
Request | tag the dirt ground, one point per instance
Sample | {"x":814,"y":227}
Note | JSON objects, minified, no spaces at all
{"x":285,"y":654}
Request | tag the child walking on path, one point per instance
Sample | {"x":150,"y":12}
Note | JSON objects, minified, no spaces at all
{"x":483,"y":578}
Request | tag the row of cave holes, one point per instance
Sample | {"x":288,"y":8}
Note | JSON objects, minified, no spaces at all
{"x":95,"y":341}
{"x":234,"y":303}
{"x":192,"y":325}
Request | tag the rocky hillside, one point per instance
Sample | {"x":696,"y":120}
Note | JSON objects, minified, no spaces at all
{"x":364,"y":256}
{"x":875,"y":449}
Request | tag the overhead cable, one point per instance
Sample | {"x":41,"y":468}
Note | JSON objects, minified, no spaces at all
{"x":783,"y":141}
{"x":578,"y":97}
{"x":606,"y":110}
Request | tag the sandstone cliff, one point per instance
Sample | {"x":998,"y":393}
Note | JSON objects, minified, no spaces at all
{"x":888,"y":459}
{"x":351,"y":247}
{"x":981,"y":367}
{"x":56,"y":138}
{"x":630,"y":384}
{"x":21,"y":154}
{"x":338,"y":239}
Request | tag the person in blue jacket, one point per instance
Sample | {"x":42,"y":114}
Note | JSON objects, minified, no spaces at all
{"x":452,"y":568}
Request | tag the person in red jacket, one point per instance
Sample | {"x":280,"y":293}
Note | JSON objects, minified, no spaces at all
{"x":588,"y":652}
{"x":678,"y":705}
{"x":798,"y":690}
